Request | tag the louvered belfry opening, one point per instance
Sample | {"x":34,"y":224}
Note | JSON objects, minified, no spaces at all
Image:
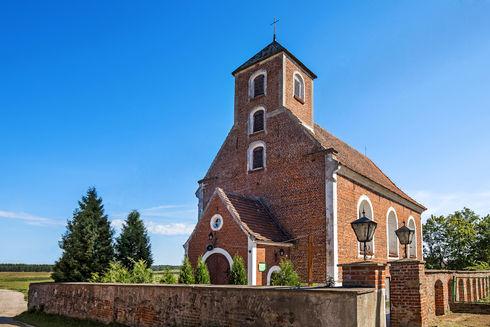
{"x":259,"y":83}
{"x":258,"y":121}
{"x":258,"y":158}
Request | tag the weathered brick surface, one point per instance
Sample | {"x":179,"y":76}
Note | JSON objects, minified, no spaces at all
{"x":304,"y":111}
{"x":348,"y":195}
{"x":165,"y":305}
{"x":230,"y":237}
{"x":440,"y":299}
{"x":408,"y":295}
{"x":293,"y":183}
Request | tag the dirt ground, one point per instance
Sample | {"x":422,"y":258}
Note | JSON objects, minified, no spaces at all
{"x":11,"y":304}
{"x":462,"y":320}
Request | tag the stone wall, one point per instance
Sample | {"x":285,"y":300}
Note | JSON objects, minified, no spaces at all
{"x":179,"y":305}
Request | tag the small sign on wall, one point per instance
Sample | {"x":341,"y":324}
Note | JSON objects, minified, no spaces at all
{"x":262,"y":266}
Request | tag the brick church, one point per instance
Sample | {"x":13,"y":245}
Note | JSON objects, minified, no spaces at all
{"x":283,"y":187}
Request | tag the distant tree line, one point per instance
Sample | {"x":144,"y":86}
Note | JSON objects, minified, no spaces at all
{"x":164,"y":267}
{"x":457,"y":241}
{"x":89,"y":247}
{"x":22,"y":267}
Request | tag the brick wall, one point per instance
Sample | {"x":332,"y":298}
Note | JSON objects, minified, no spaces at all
{"x":440,"y":298}
{"x":408,"y":296}
{"x":349,"y":193}
{"x":230,"y":237}
{"x":304,"y":111}
{"x":178,"y":305}
{"x":292,"y":184}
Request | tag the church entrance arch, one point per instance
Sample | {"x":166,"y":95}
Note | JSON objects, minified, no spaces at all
{"x":219,"y":264}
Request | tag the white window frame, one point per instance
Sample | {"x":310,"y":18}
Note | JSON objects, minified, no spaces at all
{"x":251,"y":120}
{"x":251,"y":87}
{"x":414,"y":235}
{"x":390,"y":210}
{"x":359,"y":210}
{"x":272,"y":270}
{"x":212,"y":220}
{"x":298,"y":75}
{"x":250,"y":152}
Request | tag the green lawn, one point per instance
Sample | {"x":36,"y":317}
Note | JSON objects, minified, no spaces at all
{"x":39,"y":319}
{"x":19,"y":281}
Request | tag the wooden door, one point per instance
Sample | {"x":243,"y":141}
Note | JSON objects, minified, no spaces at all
{"x":219,"y":269}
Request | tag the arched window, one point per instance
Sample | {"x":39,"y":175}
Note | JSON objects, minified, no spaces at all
{"x":412,"y":248}
{"x":257,"y":120}
{"x":257,"y":84}
{"x":364,"y":207}
{"x":392,"y":239}
{"x":299,"y":87}
{"x":256,"y":156}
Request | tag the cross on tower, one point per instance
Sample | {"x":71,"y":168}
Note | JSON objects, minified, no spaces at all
{"x":274,"y":24}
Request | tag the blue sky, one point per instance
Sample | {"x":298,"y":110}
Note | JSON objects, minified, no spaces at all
{"x":135,"y":98}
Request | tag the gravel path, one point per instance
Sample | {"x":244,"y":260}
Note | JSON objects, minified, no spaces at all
{"x":11,"y":304}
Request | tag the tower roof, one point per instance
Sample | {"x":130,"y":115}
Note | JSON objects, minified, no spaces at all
{"x":271,"y":49}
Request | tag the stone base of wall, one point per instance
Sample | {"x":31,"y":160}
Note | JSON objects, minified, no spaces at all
{"x":179,"y":305}
{"x":478,"y":308}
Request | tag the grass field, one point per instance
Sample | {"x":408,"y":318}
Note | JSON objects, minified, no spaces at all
{"x":19,"y":281}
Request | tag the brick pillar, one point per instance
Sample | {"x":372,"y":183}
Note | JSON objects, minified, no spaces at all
{"x":408,"y":294}
{"x":371,"y":275}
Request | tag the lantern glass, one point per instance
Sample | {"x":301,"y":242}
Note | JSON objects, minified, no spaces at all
{"x":405,"y":235}
{"x":364,"y":229}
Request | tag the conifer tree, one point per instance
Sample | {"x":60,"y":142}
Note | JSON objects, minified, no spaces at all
{"x":287,"y":276}
{"x":238,"y":275}
{"x":133,"y":244}
{"x":202,"y":273}
{"x":87,"y":244}
{"x":186,"y":275}
{"x":168,"y":277}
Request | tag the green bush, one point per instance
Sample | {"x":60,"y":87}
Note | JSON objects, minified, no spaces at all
{"x":117,"y":273}
{"x":140,"y":274}
{"x":186,"y":275}
{"x":286,"y":276}
{"x":168,"y":277}
{"x":202,"y":273}
{"x":238,"y":274}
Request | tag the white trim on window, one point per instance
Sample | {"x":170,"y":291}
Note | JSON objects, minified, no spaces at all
{"x":414,"y":235}
{"x":251,"y":119}
{"x":251,"y":82}
{"x":359,"y":212}
{"x":213,"y":219}
{"x":391,"y":210}
{"x":250,"y":158}
{"x":297,"y":75}
{"x":218,"y":251}
{"x":272,"y":269}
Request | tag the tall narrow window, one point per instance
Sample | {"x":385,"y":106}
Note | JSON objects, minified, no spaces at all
{"x":299,"y":87}
{"x":258,"y":158}
{"x":392,"y":222}
{"x":259,"y":85}
{"x":365,"y":208}
{"x":412,"y":248}
{"x":258,"y":121}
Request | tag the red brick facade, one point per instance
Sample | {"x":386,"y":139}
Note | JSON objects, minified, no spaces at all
{"x":294,"y":182}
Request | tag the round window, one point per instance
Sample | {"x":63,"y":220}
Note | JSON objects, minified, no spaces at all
{"x":216,"y":222}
